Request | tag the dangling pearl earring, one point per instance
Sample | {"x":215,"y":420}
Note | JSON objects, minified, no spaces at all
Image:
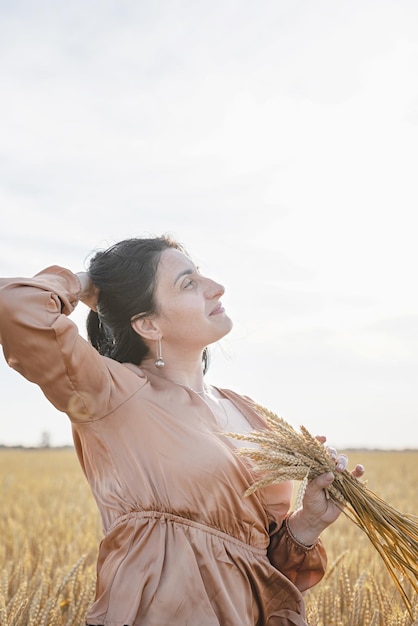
{"x":160,"y":361}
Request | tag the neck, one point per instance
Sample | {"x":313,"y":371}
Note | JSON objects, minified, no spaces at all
{"x":187,"y":374}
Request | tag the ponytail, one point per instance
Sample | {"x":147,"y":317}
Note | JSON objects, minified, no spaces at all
{"x":98,"y":335}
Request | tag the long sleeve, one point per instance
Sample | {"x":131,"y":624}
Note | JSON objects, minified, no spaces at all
{"x":304,"y":566}
{"x":42,"y":344}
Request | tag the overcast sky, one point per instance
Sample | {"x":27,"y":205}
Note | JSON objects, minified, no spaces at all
{"x":277,"y":140}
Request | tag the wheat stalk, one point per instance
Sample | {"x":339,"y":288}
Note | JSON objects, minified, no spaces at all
{"x":284,"y":454}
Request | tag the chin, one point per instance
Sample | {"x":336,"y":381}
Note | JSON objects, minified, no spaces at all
{"x":220,"y":335}
{"x":228,"y":326}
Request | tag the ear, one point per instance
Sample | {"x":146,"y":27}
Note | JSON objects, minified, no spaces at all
{"x":147,"y":328}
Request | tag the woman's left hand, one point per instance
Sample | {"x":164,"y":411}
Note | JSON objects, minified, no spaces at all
{"x":318,"y":509}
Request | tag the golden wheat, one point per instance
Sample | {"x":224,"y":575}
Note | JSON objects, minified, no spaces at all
{"x":50,"y":533}
{"x":282,"y":452}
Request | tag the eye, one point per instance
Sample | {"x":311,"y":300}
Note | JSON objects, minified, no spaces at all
{"x":191,"y":278}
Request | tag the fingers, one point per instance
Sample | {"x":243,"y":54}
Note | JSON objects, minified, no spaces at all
{"x":322,"y":481}
{"x":333,"y":452}
{"x":358,"y":471}
{"x":341,"y":463}
{"x":341,"y":460}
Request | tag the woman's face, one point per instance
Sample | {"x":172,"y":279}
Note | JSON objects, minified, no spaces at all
{"x":190,"y":313}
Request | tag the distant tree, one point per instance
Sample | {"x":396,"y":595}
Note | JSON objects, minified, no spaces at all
{"x":45,"y":439}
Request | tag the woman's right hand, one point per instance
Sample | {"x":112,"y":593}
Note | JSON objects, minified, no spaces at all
{"x":89,"y":292}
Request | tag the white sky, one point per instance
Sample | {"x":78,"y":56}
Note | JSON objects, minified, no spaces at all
{"x":277,"y":140}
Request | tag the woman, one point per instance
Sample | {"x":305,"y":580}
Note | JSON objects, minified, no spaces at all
{"x":181,"y":545}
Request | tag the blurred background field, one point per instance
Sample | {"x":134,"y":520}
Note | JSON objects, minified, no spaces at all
{"x":50,"y":531}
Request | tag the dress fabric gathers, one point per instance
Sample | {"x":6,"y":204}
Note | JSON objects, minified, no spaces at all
{"x":181,"y":545}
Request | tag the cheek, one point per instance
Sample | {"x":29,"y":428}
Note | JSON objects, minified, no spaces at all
{"x":187,"y":315}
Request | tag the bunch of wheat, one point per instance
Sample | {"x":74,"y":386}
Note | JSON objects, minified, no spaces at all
{"x":284,"y":454}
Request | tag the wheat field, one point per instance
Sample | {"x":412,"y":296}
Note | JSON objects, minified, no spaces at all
{"x":50,"y":531}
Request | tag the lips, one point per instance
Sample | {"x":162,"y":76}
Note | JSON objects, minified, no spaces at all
{"x":218,"y":309}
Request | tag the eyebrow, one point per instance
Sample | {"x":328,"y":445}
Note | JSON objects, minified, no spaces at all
{"x":183,"y":273}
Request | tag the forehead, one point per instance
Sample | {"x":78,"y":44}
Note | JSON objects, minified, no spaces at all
{"x":172,"y":263}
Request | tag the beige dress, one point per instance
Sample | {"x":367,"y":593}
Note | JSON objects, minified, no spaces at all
{"x":181,"y":545}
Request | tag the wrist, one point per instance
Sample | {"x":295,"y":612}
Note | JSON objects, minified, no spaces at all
{"x":88,"y":292}
{"x":303,"y":530}
{"x":84,"y":280}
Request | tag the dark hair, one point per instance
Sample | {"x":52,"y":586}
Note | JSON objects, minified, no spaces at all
{"x":125,"y":276}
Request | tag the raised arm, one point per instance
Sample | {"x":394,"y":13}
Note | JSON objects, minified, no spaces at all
{"x":42,"y":344}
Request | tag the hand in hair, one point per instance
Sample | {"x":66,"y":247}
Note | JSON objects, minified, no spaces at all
{"x":89,"y":292}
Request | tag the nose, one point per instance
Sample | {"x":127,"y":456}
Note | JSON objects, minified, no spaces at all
{"x":214,"y":289}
